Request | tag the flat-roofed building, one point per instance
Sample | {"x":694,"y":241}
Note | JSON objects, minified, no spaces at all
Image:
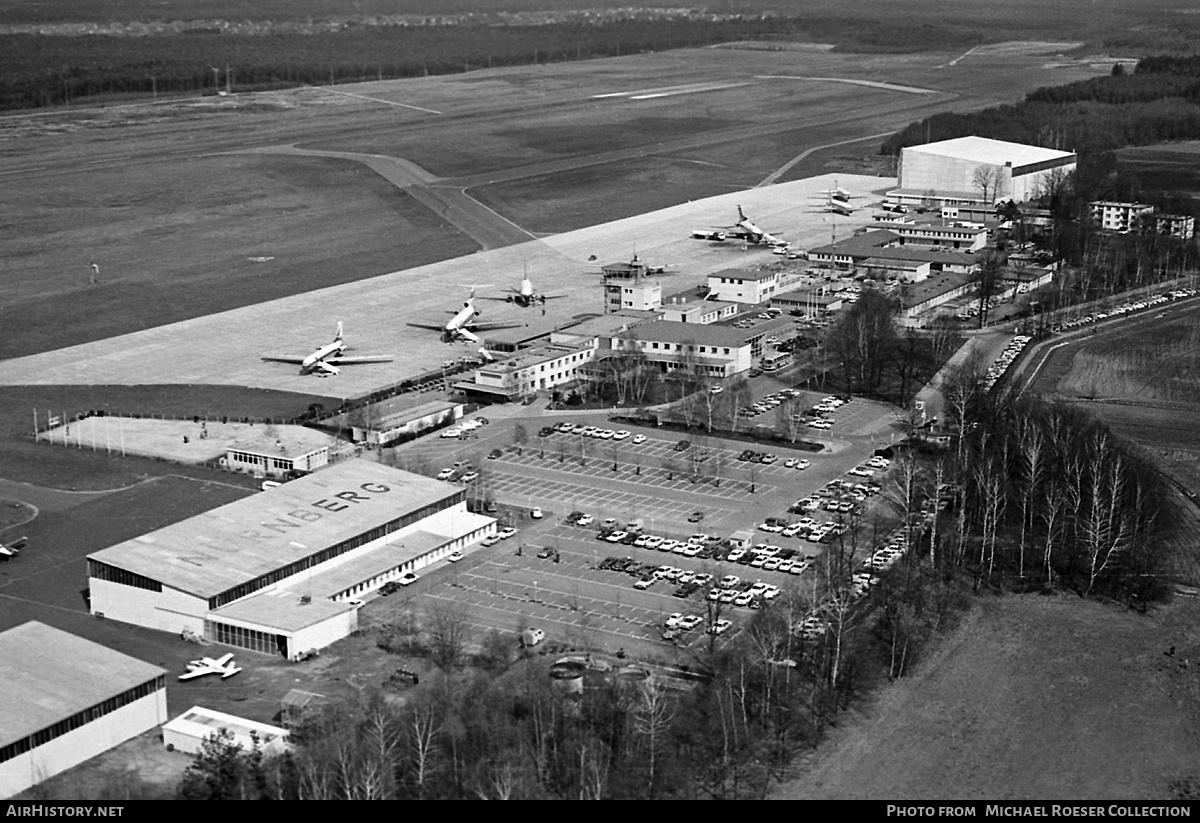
{"x":275,"y":572}
{"x":66,"y":700}
{"x":750,"y":285}
{"x":1120,"y":218}
{"x":925,"y":296}
{"x":952,"y":235}
{"x":188,"y":732}
{"x":527,"y":372}
{"x":949,"y":172}
{"x":1180,"y":226}
{"x":631,"y":286}
{"x":883,"y":246}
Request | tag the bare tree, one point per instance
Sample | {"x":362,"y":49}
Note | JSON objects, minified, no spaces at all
{"x":652,"y":719}
{"x":448,"y":634}
{"x":423,"y":729}
{"x":989,"y":180}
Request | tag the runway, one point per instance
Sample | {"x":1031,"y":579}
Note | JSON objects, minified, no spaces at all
{"x":225,"y":348}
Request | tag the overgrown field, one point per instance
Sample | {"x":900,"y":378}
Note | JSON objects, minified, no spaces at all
{"x":1161,"y":365}
{"x":1033,"y":698}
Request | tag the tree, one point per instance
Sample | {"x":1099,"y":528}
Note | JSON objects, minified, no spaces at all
{"x":652,"y":719}
{"x":520,"y":436}
{"x":989,"y":180}
{"x":223,"y":770}
{"x":860,"y":339}
{"x":448,"y":633}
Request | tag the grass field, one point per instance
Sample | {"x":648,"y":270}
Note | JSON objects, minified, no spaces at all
{"x":1032,"y":698}
{"x":1160,"y":366}
{"x":1172,"y":169}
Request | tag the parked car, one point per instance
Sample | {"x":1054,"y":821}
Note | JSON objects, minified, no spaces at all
{"x":407,"y":579}
{"x":506,"y":532}
{"x":682,"y":445}
{"x":639,"y":438}
{"x":455,"y":556}
{"x":695,"y":517}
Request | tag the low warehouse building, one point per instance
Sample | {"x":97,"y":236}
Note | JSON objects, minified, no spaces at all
{"x":275,"y":572}
{"x":188,"y":732}
{"x":66,"y":700}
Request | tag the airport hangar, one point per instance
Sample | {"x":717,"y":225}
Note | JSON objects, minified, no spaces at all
{"x":66,"y":700}
{"x":945,"y":173}
{"x":278,"y":572}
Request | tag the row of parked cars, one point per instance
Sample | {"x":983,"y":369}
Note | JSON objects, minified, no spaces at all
{"x":1006,"y":358}
{"x":1125,"y":308}
{"x":464,"y":428}
{"x":768,"y":403}
{"x":590,"y":431}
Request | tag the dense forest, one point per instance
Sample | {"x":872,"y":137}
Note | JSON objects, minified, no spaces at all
{"x":39,"y":70}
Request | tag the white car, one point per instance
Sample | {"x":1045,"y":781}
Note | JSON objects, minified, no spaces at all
{"x":773,"y":528}
{"x":720,"y":627}
{"x":673,"y":620}
{"x":445,"y":474}
{"x":690,"y":622}
{"x":803,"y":464}
{"x":616,"y":537}
{"x":639,"y":438}
{"x":455,"y":556}
{"x":407,"y":579}
{"x":620,"y":435}
{"x":536,"y":513}
{"x":490,"y":540}
{"x":729,"y":581}
{"x":506,"y":532}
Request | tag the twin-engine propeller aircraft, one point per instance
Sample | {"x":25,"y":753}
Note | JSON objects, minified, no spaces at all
{"x":743,"y":229}
{"x":463,"y":325}
{"x":207,"y":665}
{"x":327,"y":360}
{"x":837,"y":200}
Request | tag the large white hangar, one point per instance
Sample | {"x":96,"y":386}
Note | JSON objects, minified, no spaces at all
{"x":66,"y":700}
{"x":275,"y":572}
{"x":952,"y":172}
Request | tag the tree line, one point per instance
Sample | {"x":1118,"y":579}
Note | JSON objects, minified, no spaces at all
{"x":46,"y":70}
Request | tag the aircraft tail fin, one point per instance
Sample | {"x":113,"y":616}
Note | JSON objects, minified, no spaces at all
{"x":338,"y":336}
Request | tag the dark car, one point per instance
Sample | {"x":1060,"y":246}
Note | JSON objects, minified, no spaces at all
{"x":682,"y":445}
{"x":695,"y":517}
{"x":545,"y":432}
{"x":755,"y":373}
{"x":391,"y":587}
{"x":628,"y":539}
{"x":494,"y":453}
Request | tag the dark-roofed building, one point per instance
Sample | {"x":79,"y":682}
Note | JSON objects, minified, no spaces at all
{"x":275,"y":572}
{"x":66,"y":700}
{"x":398,"y":419}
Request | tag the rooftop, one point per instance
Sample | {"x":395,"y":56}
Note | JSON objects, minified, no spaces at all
{"x":524,"y":358}
{"x":746,"y":274}
{"x":215,"y":551}
{"x":49,"y":674}
{"x":606,"y":325}
{"x":200,"y":722}
{"x":666,"y":331}
{"x":984,"y":149}
{"x":918,"y":293}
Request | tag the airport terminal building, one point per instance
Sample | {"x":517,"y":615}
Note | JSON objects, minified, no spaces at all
{"x":275,"y":572}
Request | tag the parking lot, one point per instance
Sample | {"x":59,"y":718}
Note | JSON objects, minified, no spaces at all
{"x":578,"y":603}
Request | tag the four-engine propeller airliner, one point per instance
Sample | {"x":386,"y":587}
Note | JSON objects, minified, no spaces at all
{"x":463,"y":325}
{"x":327,"y":360}
{"x":223,"y":666}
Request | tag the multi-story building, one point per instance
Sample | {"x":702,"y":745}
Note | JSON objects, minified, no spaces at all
{"x":527,"y":372}
{"x":1121,"y":218}
{"x":749,"y":285}
{"x":631,"y":286}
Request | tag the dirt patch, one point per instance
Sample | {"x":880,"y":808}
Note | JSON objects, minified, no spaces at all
{"x":1030,"y":698}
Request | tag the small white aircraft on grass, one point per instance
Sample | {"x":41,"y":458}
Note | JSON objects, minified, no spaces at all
{"x":8,"y":552}
{"x":207,"y":665}
{"x":462,"y":326}
{"x":326,"y":360}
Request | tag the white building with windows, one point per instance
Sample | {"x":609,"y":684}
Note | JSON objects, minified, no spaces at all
{"x":750,"y":285}
{"x":718,"y":351}
{"x":66,"y":700}
{"x":528,"y":371}
{"x":275,"y":572}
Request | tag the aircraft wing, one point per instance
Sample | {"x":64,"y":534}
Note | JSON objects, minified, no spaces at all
{"x":493,"y":326}
{"x":285,"y":358}
{"x":507,"y":299}
{"x":359,"y":359}
{"x":198,"y":672}
{"x":230,"y":672}
{"x":223,"y":659}
{"x":551,"y":296}
{"x":430,"y":326}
